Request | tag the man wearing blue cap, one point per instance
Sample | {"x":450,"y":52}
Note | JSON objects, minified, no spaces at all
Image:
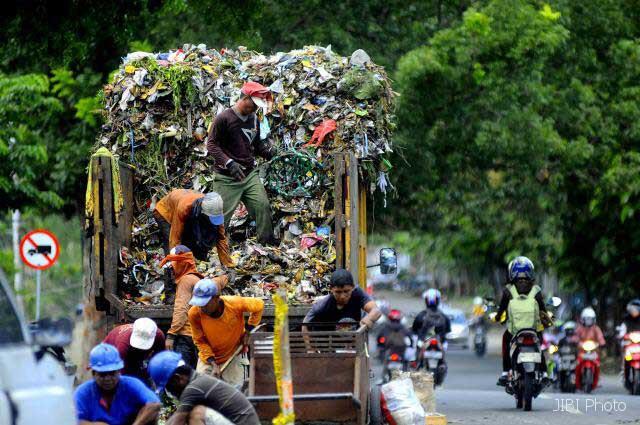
{"x":219,"y":331}
{"x":203,"y":399}
{"x":110,"y":398}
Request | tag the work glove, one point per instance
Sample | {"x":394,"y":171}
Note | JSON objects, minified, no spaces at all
{"x":236,"y":171}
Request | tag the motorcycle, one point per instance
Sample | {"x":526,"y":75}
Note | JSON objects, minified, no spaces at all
{"x":381,"y":341}
{"x":631,"y":345}
{"x":566,"y":365}
{"x":588,"y":367}
{"x":480,"y":340}
{"x":525,"y":378}
{"x":431,"y":357}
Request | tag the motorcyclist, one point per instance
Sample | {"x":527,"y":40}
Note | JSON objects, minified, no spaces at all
{"x":631,"y":321}
{"x":569,"y":330}
{"x":396,"y":336}
{"x":478,"y":313}
{"x":432,"y":317}
{"x":521,"y":280}
{"x":588,"y":329}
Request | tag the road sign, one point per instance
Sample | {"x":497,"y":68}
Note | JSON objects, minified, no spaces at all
{"x":39,"y":249}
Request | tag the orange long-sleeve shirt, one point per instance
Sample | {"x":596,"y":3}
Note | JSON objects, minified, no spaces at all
{"x":220,"y":337}
{"x":176,"y":207}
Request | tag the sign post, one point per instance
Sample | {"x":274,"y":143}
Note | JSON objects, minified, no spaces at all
{"x":39,"y":249}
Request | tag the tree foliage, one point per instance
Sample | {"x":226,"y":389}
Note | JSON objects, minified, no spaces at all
{"x":520,"y":123}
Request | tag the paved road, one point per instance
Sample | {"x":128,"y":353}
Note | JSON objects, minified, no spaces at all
{"x":470,"y":396}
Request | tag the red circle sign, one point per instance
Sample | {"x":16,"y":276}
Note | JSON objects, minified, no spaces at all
{"x":39,"y":249}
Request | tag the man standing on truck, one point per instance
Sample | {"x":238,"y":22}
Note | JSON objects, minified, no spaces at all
{"x":220,"y":333}
{"x":233,"y":138}
{"x":179,"y":337}
{"x":193,"y":219}
{"x":110,"y":398}
{"x":136,"y":343}
{"x":345,"y":300}
{"x":203,"y":399}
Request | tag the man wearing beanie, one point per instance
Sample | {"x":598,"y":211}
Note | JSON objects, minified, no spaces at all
{"x":233,"y":139}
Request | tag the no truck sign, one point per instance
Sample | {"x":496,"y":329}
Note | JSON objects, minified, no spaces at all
{"x":39,"y":249}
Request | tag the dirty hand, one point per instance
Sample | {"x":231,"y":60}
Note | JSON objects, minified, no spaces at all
{"x":168,"y":344}
{"x":366,"y":322}
{"x":236,"y":171}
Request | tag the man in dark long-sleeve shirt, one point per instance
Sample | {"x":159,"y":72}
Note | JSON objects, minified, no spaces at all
{"x":234,"y":139}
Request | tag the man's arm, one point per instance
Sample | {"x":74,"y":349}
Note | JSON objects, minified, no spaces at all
{"x":148,"y":414}
{"x":222,"y":246}
{"x":255,"y":307}
{"x":373,"y":314}
{"x":180,"y":215}
{"x":504,"y":303}
{"x":199,"y":338}
{"x":178,"y":418}
{"x":214,"y":148}
{"x":180,"y":308}
{"x":418,"y":322}
{"x":600,"y":337}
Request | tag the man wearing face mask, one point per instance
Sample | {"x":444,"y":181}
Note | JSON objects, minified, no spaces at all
{"x":234,"y":139}
{"x":110,"y":398}
{"x":179,"y":336}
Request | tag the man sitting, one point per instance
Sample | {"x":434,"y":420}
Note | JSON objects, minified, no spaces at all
{"x":345,"y":300}
{"x":111,"y":399}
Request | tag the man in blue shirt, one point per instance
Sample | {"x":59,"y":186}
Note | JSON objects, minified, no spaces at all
{"x":112,"y":399}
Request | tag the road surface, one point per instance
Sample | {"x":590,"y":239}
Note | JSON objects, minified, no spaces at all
{"x":470,"y":395}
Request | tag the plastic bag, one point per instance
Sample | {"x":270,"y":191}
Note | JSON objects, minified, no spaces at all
{"x":400,"y":404}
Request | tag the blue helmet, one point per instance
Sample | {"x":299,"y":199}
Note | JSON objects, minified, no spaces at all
{"x":521,"y":268}
{"x":105,"y":358}
{"x":162,"y":366}
{"x":431,"y":297}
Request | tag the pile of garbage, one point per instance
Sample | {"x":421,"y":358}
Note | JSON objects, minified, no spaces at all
{"x":158,"y":109}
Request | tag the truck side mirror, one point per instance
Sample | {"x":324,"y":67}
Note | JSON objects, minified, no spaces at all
{"x":52,"y":333}
{"x":388,"y":261}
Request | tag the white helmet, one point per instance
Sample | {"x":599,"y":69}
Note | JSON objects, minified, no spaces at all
{"x":478,"y":301}
{"x":588,"y":317}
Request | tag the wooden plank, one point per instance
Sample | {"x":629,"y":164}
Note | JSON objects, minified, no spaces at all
{"x":362,"y":235}
{"x":339,"y":175}
{"x":125,"y":219}
{"x":354,"y":218}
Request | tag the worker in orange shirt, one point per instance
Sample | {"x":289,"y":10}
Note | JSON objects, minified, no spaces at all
{"x":179,"y":337}
{"x":193,"y":219}
{"x":220,"y":333}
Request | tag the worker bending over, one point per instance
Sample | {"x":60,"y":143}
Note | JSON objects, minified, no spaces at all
{"x":179,"y":336}
{"x":204,"y":400}
{"x":220,"y":333}
{"x":193,"y":219}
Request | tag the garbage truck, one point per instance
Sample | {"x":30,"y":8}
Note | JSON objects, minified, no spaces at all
{"x":110,"y":231}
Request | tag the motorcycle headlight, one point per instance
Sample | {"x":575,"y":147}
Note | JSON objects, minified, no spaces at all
{"x":553,"y":349}
{"x":589,"y":345}
{"x":635,"y":337}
